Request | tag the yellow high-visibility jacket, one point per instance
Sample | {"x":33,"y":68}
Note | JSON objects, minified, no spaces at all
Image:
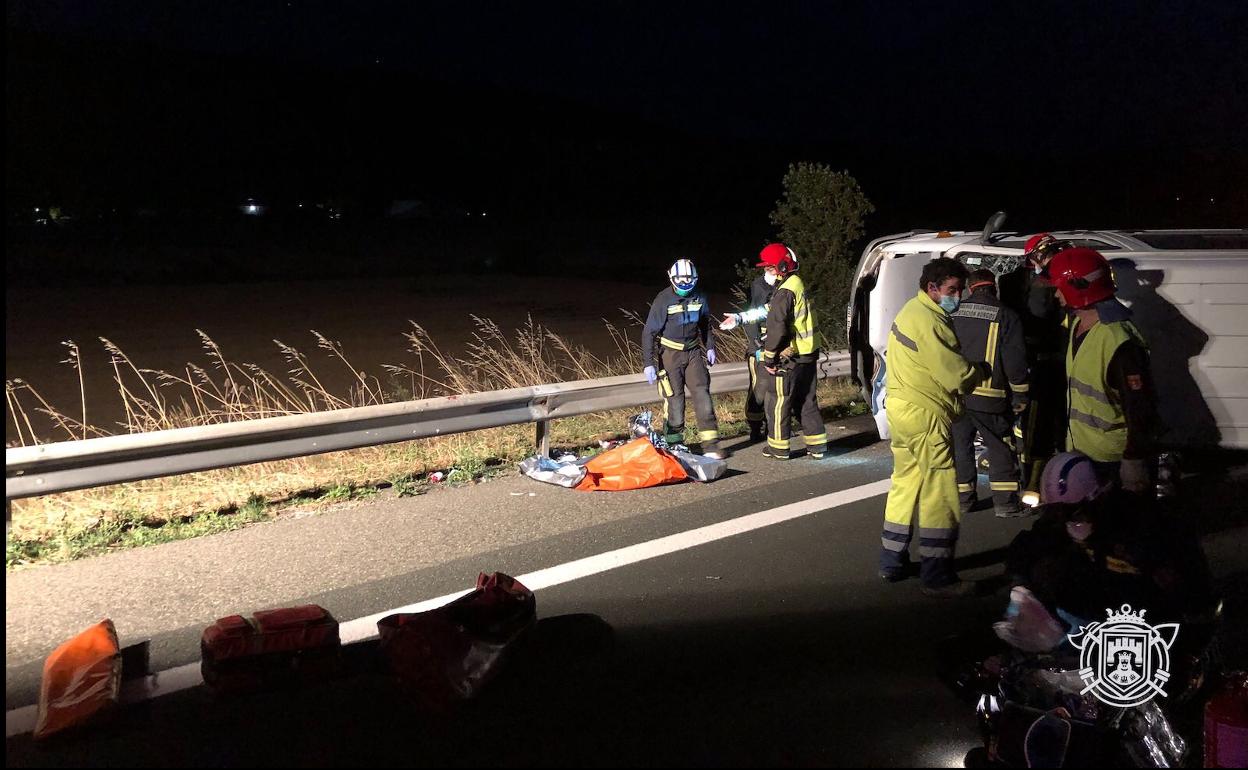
{"x":924,"y":363}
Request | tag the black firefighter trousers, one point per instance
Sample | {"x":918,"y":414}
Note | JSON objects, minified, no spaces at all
{"x":791,"y":393}
{"x":995,"y":429}
{"x":681,"y":368}
{"x":755,"y":413}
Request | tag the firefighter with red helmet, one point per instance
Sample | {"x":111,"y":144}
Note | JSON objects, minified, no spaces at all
{"x":1034,"y":298}
{"x":1110,"y":402}
{"x":790,"y":354}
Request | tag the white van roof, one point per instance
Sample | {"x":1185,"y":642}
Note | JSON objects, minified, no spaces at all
{"x":1104,"y":240}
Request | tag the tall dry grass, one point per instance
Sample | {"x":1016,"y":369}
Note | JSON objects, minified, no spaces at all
{"x":220,"y":390}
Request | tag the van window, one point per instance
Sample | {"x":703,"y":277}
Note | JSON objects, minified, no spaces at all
{"x":999,"y":264}
{"x":1093,"y":243}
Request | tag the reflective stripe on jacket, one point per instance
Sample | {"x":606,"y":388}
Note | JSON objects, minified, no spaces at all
{"x":676,"y":322}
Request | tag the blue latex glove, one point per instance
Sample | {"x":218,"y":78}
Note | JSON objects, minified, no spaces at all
{"x":758,"y":355}
{"x":651,"y":375}
{"x":710,"y":357}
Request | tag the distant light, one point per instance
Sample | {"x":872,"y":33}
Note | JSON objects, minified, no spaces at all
{"x":36,"y":209}
{"x":1177,"y":198}
{"x":300,"y":205}
{"x":482,"y":213}
{"x":1211,"y":200}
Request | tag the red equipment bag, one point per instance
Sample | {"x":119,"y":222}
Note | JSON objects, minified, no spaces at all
{"x":274,"y":647}
{"x":449,"y":654}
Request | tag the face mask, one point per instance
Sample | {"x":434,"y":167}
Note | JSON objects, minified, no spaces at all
{"x":683,"y":292}
{"x":1079,"y":530}
{"x":950,"y":304}
{"x":770,"y":278}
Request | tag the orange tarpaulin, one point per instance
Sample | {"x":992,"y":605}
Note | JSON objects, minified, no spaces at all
{"x":635,"y":465}
{"x":80,"y":677}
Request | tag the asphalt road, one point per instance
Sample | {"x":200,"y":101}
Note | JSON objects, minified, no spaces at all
{"x":776,"y":646}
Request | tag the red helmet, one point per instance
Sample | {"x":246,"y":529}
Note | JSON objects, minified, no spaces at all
{"x":1037,"y":242}
{"x":1082,"y":275}
{"x":779,"y":256}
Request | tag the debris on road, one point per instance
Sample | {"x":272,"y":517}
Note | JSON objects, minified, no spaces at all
{"x":448,"y":654}
{"x":272,"y":648}
{"x":81,"y":678}
{"x":567,"y":474}
{"x":647,"y":460}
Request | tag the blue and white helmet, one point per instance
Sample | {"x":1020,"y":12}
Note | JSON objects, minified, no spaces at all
{"x":683,"y":275}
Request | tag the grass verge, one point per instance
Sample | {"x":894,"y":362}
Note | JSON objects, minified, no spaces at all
{"x":72,"y":525}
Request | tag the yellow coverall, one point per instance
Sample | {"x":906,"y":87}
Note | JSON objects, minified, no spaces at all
{"x":925,"y":377}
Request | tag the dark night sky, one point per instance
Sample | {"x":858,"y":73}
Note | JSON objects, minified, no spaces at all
{"x":1064,"y":114}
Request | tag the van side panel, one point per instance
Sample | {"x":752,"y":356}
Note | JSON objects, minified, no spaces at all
{"x":1223,"y":365}
{"x":1193,"y":313}
{"x":898,"y":281}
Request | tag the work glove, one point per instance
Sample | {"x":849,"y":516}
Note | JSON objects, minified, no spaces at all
{"x":730,"y":321}
{"x":1134,"y":476}
{"x":710,"y":357}
{"x":651,"y":375}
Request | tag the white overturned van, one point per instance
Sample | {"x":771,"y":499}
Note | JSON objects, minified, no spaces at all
{"x":1188,"y":290}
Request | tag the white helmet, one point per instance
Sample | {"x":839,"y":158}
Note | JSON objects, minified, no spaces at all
{"x":683,"y":275}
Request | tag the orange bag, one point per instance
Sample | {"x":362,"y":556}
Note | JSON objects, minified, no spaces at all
{"x":636,"y":465}
{"x":80,"y":677}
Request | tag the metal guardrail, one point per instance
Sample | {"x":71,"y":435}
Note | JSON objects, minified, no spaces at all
{"x":70,"y":465}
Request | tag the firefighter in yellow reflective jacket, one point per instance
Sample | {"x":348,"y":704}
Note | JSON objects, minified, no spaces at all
{"x":677,"y":348}
{"x":926,"y":377}
{"x":1110,"y":402}
{"x":790,"y":355}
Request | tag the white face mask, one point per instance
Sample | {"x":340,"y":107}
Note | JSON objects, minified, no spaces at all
{"x":770,"y":278}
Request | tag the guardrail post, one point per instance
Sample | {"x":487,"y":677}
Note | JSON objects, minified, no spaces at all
{"x":543,"y":438}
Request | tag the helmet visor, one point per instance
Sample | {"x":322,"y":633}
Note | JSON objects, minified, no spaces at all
{"x":684,"y":282}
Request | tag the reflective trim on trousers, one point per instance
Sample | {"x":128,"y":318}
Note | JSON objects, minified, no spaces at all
{"x":895,"y":537}
{"x":894,"y":527}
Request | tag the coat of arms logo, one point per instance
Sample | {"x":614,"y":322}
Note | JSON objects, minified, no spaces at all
{"x":1124,"y":661}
